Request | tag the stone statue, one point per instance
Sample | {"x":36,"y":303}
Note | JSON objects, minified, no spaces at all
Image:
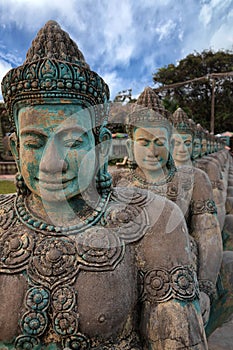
{"x":197,"y":142}
{"x":213,"y":170}
{"x":151,"y":166}
{"x":184,"y":140}
{"x":84,"y":265}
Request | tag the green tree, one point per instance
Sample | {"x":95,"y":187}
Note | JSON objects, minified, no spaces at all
{"x":200,"y":71}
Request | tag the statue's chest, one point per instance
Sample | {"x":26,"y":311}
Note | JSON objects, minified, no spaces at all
{"x":62,"y":288}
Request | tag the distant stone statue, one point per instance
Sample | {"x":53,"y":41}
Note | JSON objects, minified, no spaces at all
{"x":84,"y":265}
{"x":186,"y":148}
{"x":152,"y":167}
{"x":213,"y":170}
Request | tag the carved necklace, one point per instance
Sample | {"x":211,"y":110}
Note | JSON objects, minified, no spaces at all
{"x":146,"y":183}
{"x":36,"y":224}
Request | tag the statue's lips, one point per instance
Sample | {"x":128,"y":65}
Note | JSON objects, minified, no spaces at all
{"x":54,"y":184}
{"x":152,"y":161}
{"x":183,"y":154}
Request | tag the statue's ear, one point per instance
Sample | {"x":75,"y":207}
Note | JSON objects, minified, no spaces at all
{"x":14,"y":145}
{"x":105,"y":139}
{"x":129,"y":147}
{"x":172,"y":144}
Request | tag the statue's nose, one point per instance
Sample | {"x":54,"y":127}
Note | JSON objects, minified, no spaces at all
{"x":51,"y":161}
{"x":153,"y":149}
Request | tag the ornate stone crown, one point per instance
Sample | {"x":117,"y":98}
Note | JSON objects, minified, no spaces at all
{"x":181,"y":122}
{"x":199,"y":131}
{"x":149,"y":111}
{"x":55,"y":68}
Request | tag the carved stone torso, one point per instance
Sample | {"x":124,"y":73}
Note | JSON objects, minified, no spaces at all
{"x":82,"y":291}
{"x":185,"y":189}
{"x":51,"y":273}
{"x":191,"y":190}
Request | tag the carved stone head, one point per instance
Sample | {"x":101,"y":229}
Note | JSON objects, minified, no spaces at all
{"x":149,"y":132}
{"x":58,"y":108}
{"x":182,"y":138}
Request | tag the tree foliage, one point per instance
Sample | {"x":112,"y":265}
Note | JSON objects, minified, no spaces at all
{"x":199,"y":69}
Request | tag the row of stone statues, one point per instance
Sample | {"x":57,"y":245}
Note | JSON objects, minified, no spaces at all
{"x":85,"y":264}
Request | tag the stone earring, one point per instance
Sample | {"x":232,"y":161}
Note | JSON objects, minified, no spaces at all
{"x":20,"y":184}
{"x":104,"y":182}
{"x":131,"y":164}
{"x":170,"y":162}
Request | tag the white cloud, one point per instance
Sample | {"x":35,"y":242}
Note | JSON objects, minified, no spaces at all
{"x":114,"y":82}
{"x":125,"y":41}
{"x":205,"y":14}
{"x":223,"y":36}
{"x":164,"y":30}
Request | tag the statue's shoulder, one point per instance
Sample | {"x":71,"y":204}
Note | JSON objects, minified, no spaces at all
{"x":133,"y":196}
{"x":7,"y":211}
{"x":137,"y":212}
{"x":154,"y":224}
{"x":6,"y":202}
{"x":202,"y":185}
{"x":121,"y":177}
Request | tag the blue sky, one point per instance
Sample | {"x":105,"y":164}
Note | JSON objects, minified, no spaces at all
{"x":125,"y":41}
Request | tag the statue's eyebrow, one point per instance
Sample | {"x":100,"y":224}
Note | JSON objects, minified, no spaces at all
{"x":27,"y":130}
{"x":163,"y":138}
{"x":41,"y":132}
{"x":72,"y":128}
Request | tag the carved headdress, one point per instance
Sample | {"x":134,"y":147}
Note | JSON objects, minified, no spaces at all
{"x":199,"y":131}
{"x":55,"y":68}
{"x":148,"y":111}
{"x":182,"y":123}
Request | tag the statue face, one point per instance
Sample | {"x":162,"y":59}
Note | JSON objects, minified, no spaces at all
{"x":151,"y":148}
{"x":204,"y":147}
{"x":182,"y":147}
{"x":208,"y":146}
{"x":56,"y":150}
{"x":196,"y":148}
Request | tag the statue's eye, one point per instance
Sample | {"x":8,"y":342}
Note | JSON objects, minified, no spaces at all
{"x":143,"y":142}
{"x":177,"y":143}
{"x":33,"y":142}
{"x":160,"y":142}
{"x":73,"y":143}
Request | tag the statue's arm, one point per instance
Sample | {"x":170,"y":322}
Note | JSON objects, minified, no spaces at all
{"x":170,"y":312}
{"x":205,"y":229}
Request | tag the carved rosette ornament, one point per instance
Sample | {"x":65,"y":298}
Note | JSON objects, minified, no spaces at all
{"x":161,"y":285}
{"x":217,"y":185}
{"x":26,"y":342}
{"x":15,"y":250}
{"x":78,"y":342}
{"x":53,"y":262}
{"x":63,"y":298}
{"x":100,"y":248}
{"x":37,"y":299}
{"x":203,"y":206}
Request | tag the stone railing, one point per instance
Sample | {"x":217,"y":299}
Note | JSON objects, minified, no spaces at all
{"x":8,"y":168}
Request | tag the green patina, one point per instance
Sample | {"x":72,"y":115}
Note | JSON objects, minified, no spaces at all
{"x":195,"y":303}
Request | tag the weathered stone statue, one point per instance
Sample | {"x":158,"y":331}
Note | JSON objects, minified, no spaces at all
{"x":213,"y":170}
{"x":152,"y":167}
{"x":83,"y":265}
{"x":197,"y":142}
{"x":185,"y":145}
